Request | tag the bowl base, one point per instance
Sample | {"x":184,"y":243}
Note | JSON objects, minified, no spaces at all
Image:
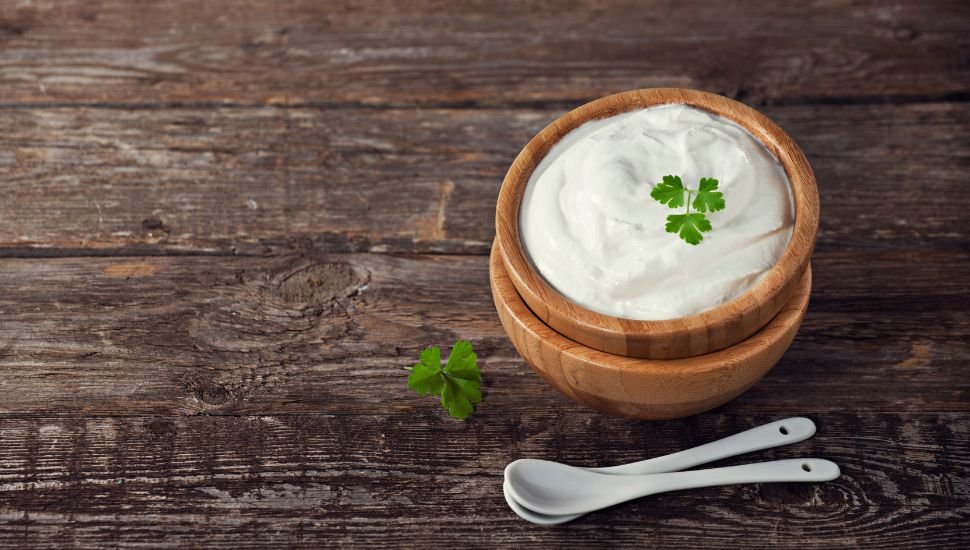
{"x":648,"y":389}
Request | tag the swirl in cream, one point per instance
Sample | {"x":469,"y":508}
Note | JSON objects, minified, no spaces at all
{"x":592,"y":230}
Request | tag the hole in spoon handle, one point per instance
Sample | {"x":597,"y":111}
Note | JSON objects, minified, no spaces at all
{"x":795,"y":429}
{"x":817,"y":469}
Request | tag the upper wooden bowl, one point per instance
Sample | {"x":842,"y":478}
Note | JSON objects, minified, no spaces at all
{"x":697,"y":334}
{"x":649,"y":389}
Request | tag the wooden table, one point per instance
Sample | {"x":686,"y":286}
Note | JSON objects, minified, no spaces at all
{"x":227,"y":226}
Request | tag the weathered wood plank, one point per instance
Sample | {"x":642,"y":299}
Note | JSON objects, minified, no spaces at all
{"x":248,"y":335}
{"x":257,"y":180}
{"x":258,"y":400}
{"x":426,"y":481}
{"x":233,"y":180}
{"x":496,"y":52}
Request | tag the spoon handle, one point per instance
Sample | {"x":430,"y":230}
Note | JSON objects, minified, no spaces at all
{"x":775,"y":434}
{"x":790,"y":470}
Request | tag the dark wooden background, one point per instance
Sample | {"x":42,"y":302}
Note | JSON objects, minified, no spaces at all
{"x":226,"y":227}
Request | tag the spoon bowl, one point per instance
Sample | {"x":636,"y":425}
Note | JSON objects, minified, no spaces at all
{"x":534,"y":517}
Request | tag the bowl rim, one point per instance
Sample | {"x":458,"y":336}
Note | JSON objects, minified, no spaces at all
{"x":591,"y":327}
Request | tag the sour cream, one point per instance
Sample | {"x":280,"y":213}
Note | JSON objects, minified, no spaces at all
{"x":592,"y":230}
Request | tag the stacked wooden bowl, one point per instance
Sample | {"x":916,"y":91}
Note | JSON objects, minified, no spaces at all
{"x":653,"y":369}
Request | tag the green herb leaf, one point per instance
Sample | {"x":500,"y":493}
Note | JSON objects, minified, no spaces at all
{"x":670,"y":191}
{"x":458,"y":383}
{"x":707,"y":198}
{"x":425,"y":377}
{"x":688,"y":226}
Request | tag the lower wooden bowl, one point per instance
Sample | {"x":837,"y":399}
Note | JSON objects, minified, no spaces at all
{"x":650,"y":389}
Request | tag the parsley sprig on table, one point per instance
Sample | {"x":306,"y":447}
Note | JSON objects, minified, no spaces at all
{"x":706,"y":198}
{"x":457,"y":384}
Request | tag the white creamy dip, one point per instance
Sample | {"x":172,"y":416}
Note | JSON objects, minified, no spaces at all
{"x":589,"y":225}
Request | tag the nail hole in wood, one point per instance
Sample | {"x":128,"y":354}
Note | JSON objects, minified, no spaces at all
{"x":807,"y":467}
{"x":783,"y":430}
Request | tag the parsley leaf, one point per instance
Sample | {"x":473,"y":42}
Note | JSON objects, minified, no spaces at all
{"x":425,"y":376}
{"x":670,"y":192}
{"x":458,"y":383}
{"x":688,"y":226}
{"x":707,"y":198}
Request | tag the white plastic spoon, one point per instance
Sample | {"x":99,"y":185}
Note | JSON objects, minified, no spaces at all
{"x":553,"y":490}
{"x":774,"y":434}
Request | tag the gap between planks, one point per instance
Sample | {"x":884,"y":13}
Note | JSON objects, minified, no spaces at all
{"x":561,"y":103}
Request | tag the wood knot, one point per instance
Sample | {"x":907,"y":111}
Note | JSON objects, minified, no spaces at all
{"x":154,"y":228}
{"x":152,"y":224}
{"x":787,"y":494}
{"x":320,"y":283}
{"x":207,"y":391}
{"x":160,"y":428}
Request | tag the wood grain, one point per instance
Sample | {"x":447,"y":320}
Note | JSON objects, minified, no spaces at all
{"x":242,"y":180}
{"x":351,"y":481}
{"x":649,"y":389}
{"x":426,"y":52}
{"x":257,"y":181}
{"x":194,"y":352}
{"x":331,"y":334}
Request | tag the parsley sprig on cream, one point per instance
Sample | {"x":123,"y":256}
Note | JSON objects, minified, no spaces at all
{"x":706,"y":198}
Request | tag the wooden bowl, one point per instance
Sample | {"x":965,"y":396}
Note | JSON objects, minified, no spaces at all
{"x":697,"y":334}
{"x":649,"y":389}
